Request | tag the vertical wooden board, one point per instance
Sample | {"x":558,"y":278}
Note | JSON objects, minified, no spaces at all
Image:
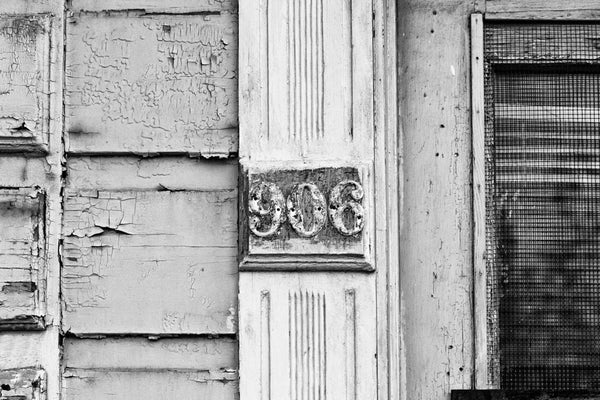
{"x":148,"y":83}
{"x":80,"y":384}
{"x":23,"y":384}
{"x":24,"y":82}
{"x":218,"y":355}
{"x":436,"y":224}
{"x":150,"y":262}
{"x":479,"y":236}
{"x":307,"y":336}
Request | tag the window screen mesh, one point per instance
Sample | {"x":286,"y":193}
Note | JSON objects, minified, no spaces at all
{"x":542,"y":94}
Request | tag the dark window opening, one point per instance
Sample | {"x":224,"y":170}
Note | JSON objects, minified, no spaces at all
{"x":542,"y":94}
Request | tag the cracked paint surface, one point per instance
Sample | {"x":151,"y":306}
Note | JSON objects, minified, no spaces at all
{"x":24,"y":82}
{"x":152,"y":84}
{"x":150,"y":262}
{"x":22,"y":275}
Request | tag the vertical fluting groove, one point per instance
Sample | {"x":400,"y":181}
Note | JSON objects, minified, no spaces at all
{"x":298,"y":375}
{"x":313,"y":366}
{"x":305,"y":69}
{"x":268,"y":80}
{"x":302,"y":40}
{"x":296,"y":42}
{"x":321,"y":346}
{"x":292,"y":345}
{"x":350,"y":345}
{"x":307,"y":346}
{"x":291,"y":63}
{"x":351,"y":72}
{"x":265,"y":345}
{"x":320,"y":69}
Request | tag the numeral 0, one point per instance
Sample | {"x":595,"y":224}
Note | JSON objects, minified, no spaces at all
{"x":266,"y":209}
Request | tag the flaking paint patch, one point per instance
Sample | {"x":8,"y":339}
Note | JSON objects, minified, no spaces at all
{"x":152,"y":84}
{"x":143,"y":261}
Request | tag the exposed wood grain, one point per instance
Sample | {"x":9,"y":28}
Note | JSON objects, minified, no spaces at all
{"x":387,"y":185}
{"x":436,"y":219}
{"x":161,"y":174}
{"x":478,"y":140}
{"x":176,"y":90}
{"x":150,"y":385}
{"x":150,"y":262}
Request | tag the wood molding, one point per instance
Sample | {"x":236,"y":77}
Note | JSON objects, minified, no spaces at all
{"x":309,"y":120}
{"x":479,"y":264}
{"x":388,"y":194}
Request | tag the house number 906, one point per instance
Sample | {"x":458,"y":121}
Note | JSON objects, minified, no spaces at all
{"x":305,"y":209}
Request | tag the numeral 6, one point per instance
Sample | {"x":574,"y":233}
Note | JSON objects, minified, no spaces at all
{"x":338,"y":209}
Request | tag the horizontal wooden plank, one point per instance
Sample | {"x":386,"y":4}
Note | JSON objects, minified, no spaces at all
{"x":161,"y":173}
{"x":155,"y":5}
{"x":150,"y":262}
{"x":149,"y":385}
{"x":210,"y":354}
{"x":175,"y":91}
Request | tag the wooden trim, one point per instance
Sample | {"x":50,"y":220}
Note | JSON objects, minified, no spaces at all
{"x":542,"y":9}
{"x":305,"y":263}
{"x":388,"y":189}
{"x":479,"y":265}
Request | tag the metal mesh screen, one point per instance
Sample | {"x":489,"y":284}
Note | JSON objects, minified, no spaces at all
{"x":542,"y":94}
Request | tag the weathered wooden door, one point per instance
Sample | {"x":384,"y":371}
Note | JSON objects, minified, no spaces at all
{"x":318,"y":204}
{"x":128,"y":225}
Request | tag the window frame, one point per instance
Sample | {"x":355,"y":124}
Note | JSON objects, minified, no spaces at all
{"x":486,"y":365}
